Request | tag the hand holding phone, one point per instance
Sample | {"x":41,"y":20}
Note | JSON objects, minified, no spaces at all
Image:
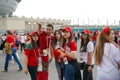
{"x":59,"y":48}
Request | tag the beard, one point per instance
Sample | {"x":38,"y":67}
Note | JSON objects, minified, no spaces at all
{"x":48,"y":34}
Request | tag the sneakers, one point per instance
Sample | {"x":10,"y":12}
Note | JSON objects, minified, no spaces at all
{"x":7,"y":71}
{"x":12,"y":61}
{"x":4,"y":71}
{"x":19,"y":70}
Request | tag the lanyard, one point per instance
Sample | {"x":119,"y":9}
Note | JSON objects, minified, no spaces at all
{"x":48,"y":41}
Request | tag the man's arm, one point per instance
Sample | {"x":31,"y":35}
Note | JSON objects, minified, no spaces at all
{"x":39,"y":28}
{"x":51,"y":51}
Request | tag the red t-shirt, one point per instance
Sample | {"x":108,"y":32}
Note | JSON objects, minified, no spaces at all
{"x":44,"y":44}
{"x":72,"y":47}
{"x":32,"y":55}
{"x":10,"y":39}
{"x":16,"y":38}
{"x":94,"y":38}
{"x":56,"y":54}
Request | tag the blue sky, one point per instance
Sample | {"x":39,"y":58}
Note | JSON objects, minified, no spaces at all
{"x":78,"y":11}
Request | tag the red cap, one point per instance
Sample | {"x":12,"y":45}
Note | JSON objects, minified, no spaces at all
{"x":34,"y":33}
{"x":106,"y":30}
{"x":86,"y":31}
{"x":67,"y":28}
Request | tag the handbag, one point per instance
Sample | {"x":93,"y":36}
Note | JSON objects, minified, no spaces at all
{"x":8,"y":48}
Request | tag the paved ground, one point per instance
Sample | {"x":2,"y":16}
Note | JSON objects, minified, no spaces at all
{"x":13,"y":74}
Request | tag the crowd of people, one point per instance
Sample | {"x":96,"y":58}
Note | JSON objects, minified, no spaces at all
{"x":40,"y":47}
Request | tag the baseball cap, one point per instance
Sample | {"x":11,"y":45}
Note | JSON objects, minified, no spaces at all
{"x":86,"y":31}
{"x":33,"y":33}
{"x":67,"y":28}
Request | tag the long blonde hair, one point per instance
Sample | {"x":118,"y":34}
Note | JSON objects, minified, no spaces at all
{"x":99,"y":49}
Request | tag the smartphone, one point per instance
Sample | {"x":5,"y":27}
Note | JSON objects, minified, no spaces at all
{"x":58,"y":48}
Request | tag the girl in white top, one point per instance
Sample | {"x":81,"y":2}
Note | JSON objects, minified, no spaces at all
{"x":55,"y":45}
{"x":86,"y":52}
{"x":107,"y":56}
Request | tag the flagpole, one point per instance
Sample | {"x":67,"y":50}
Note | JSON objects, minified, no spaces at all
{"x":98,"y":24}
{"x":88,"y":23}
{"x":78,"y":20}
{"x":107,"y":22}
{"x":114,"y":22}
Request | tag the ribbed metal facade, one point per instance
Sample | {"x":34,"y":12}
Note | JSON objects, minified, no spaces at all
{"x":7,"y":7}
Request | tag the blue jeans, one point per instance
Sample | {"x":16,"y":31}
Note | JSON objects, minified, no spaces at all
{"x":59,"y":68}
{"x":94,"y":42}
{"x":69,"y":72}
{"x":8,"y":56}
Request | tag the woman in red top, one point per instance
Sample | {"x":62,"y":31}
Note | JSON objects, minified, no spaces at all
{"x":31,"y":56}
{"x":70,"y":58}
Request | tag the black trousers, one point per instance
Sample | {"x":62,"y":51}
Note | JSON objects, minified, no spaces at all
{"x":22,"y":46}
{"x":87,"y":75}
{"x":33,"y":72}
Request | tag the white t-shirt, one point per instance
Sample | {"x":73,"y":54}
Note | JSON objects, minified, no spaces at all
{"x":84,"y":55}
{"x":108,"y":69}
{"x":4,"y":38}
{"x":57,"y":45}
{"x":22,"y":39}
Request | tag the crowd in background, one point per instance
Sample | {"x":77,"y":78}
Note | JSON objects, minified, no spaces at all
{"x":100,"y":48}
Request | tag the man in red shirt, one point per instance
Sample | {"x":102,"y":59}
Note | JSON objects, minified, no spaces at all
{"x":16,"y":37}
{"x":45,"y":39}
{"x":10,"y":39}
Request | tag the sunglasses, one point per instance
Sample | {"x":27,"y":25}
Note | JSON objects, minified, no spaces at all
{"x":84,"y":34}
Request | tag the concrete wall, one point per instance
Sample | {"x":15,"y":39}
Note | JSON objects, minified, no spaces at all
{"x":16,"y":24}
{"x":27,"y":24}
{"x":3,"y":24}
